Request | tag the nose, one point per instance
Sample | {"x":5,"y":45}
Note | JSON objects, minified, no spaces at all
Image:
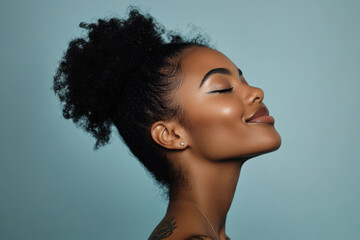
{"x":254,"y":94}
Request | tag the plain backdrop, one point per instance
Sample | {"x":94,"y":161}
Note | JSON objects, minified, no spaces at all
{"x":305,"y":55}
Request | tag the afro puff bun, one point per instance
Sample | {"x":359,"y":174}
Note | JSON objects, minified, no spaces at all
{"x":122,"y":74}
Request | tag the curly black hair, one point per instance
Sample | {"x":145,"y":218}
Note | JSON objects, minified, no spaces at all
{"x":122,"y":74}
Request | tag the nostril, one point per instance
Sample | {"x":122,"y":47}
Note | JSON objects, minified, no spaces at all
{"x":257,"y":98}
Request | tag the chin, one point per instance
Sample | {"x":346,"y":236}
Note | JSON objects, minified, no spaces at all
{"x":265,"y":146}
{"x":270,"y":145}
{"x":275,"y":143}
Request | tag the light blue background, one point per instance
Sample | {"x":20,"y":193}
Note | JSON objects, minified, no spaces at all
{"x":305,"y":55}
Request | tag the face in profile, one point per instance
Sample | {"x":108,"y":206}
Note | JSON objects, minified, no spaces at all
{"x":225,"y":116}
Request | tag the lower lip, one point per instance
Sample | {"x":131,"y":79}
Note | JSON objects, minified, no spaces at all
{"x":263,"y":119}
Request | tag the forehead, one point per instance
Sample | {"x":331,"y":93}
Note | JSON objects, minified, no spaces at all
{"x":199,"y":60}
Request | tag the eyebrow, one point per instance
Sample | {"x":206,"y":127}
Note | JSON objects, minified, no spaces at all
{"x":217,"y":71}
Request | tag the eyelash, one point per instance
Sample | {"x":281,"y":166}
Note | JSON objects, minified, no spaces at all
{"x":223,"y":90}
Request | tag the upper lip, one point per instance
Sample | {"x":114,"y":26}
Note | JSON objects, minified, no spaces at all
{"x":260,"y":112}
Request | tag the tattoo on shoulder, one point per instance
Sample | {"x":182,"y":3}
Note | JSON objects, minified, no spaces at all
{"x":164,"y":229}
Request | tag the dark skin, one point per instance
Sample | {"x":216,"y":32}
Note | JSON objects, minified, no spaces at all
{"x":217,"y":139}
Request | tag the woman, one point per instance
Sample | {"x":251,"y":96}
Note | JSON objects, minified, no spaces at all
{"x":183,"y":108}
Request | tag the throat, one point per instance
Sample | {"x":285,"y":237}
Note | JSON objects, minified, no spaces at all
{"x":210,"y":191}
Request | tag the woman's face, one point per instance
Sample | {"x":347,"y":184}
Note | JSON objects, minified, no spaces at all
{"x":218,"y":102}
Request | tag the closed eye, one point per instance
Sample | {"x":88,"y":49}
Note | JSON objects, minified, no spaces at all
{"x":222,"y":90}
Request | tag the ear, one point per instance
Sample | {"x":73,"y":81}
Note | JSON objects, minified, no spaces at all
{"x":168,"y":135}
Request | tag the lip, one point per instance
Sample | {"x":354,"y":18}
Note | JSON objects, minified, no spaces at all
{"x":261,"y":116}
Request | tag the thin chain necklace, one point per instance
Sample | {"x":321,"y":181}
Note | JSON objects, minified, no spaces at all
{"x":203,"y":215}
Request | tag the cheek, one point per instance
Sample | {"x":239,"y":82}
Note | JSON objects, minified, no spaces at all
{"x":214,"y":114}
{"x":216,"y":127}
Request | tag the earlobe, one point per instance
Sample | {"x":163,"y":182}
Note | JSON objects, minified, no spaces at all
{"x":164,"y":134}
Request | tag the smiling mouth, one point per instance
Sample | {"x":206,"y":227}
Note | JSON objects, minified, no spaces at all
{"x":261,"y":116}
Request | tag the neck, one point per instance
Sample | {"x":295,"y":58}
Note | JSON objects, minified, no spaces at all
{"x":211,"y":187}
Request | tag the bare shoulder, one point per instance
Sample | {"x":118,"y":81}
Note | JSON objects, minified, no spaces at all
{"x":164,"y":230}
{"x":199,"y":237}
{"x":178,"y":228}
{"x":182,"y":223}
{"x":202,"y":237}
